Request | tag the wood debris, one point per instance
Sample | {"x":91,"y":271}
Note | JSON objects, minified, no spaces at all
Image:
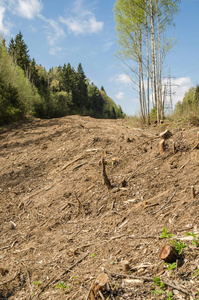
{"x":169,"y":254}
{"x":105,"y":177}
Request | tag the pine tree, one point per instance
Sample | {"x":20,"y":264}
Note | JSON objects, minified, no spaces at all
{"x":81,"y":88}
{"x":19,"y":52}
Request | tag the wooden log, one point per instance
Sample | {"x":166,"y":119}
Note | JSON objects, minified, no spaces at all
{"x":193,"y":194}
{"x":169,"y":254}
{"x":161,"y":147}
{"x":125,"y":266}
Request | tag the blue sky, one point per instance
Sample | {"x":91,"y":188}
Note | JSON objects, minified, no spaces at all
{"x":83,"y":31}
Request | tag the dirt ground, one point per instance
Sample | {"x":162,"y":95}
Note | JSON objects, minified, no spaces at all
{"x":61,"y":227}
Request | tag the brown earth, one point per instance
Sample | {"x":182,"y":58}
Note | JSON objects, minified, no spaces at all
{"x":61,"y":227}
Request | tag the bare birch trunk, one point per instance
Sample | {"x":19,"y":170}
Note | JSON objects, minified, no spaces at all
{"x":153,"y":51}
{"x":148,"y":75}
{"x":161,"y":109}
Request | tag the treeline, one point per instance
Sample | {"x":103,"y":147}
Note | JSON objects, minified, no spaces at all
{"x":28,"y":88}
{"x":189,"y":105}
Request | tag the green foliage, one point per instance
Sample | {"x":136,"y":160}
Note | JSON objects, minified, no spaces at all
{"x":93,"y":255}
{"x":62,"y":285}
{"x":165,"y":234}
{"x":26,"y":88}
{"x":16,"y":92}
{"x":153,"y":115}
{"x":171,"y":266}
{"x":161,"y":289}
{"x":196,"y":272}
{"x":158,"y":292}
{"x":179,"y":246}
{"x":189,"y":107}
{"x":169,"y":296}
{"x":37,"y":282}
{"x":158,"y":282}
{"x":19,"y":52}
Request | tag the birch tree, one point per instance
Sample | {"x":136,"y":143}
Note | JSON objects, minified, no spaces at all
{"x":141,"y":27}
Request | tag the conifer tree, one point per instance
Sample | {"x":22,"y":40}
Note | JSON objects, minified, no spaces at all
{"x":19,"y":52}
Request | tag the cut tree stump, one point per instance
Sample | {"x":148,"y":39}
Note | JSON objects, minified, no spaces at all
{"x":193,"y":194}
{"x":125,"y":266}
{"x":100,"y":285}
{"x":174,"y":148}
{"x":106,"y":179}
{"x":169,"y":254}
{"x":161,"y":147}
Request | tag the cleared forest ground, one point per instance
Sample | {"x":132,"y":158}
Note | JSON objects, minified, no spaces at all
{"x":61,"y":227}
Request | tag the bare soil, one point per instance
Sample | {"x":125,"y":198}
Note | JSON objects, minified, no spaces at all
{"x":61,"y":226}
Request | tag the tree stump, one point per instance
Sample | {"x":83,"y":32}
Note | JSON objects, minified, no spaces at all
{"x":169,"y":254}
{"x":193,"y":194}
{"x":125,"y":266}
{"x":106,"y":179}
{"x":100,"y":285}
{"x":161,"y":147}
{"x":174,"y":148}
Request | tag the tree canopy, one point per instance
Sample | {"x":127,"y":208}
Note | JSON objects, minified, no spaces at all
{"x":28,"y":88}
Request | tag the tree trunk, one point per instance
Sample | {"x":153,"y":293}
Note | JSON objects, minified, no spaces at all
{"x":153,"y":51}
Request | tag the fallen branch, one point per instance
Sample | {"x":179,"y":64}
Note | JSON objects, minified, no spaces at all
{"x":183,"y":165}
{"x":71,"y":162}
{"x":163,"y":206}
{"x":196,"y":146}
{"x":79,"y":166}
{"x":149,"y":279}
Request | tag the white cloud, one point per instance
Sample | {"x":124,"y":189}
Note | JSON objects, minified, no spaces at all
{"x":55,"y":50}
{"x":83,"y":21}
{"x":123,"y":79}
{"x":77,"y":26}
{"x":178,"y":88}
{"x":27,"y":9}
{"x":3,"y":29}
{"x":120,"y":96}
{"x":54,"y":32}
